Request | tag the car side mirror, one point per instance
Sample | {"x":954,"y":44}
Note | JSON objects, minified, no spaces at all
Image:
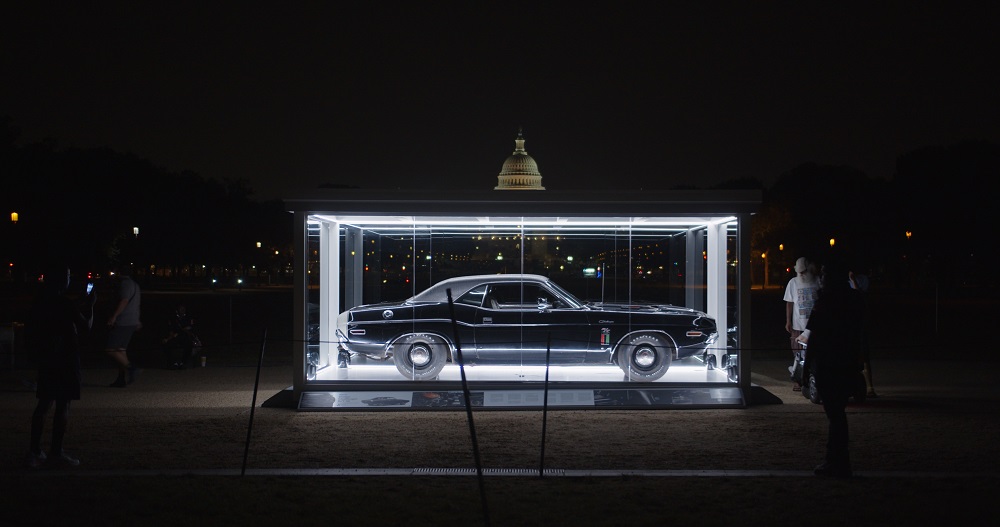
{"x":543,"y":304}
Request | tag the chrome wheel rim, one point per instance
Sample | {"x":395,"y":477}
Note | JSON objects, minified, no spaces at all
{"x":420,"y":356}
{"x":644,"y":357}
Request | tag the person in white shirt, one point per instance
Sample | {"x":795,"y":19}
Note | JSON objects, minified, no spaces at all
{"x":800,"y":295}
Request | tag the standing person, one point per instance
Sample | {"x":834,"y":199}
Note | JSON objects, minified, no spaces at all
{"x":180,"y":338}
{"x":122,"y":323}
{"x":861,"y":282}
{"x":836,"y":327}
{"x":800,"y":295}
{"x":53,"y":335}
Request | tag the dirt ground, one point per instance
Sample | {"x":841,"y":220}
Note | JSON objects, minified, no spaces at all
{"x":172,"y":447}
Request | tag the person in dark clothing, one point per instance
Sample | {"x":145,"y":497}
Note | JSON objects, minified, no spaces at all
{"x":835,"y":339}
{"x":123,"y":323}
{"x":861,"y":282}
{"x":53,"y":335}
{"x":181,"y":339}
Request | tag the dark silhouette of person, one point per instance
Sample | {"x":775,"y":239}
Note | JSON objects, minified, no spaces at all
{"x":835,"y":339}
{"x":181,"y":339}
{"x":53,"y":334}
{"x":861,"y":283}
{"x":122,"y":323}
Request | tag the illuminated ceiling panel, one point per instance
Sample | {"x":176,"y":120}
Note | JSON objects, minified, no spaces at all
{"x":556,"y":224}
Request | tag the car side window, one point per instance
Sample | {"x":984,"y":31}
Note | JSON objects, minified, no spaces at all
{"x":516,"y":296}
{"x":503,"y":296}
{"x":474,"y":297}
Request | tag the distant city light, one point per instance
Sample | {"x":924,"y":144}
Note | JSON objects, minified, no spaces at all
{"x":13,"y":217}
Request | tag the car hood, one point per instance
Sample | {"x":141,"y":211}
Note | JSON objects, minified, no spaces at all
{"x":642,"y":307}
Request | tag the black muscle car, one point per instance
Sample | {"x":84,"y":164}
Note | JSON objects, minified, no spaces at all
{"x":514,"y":319}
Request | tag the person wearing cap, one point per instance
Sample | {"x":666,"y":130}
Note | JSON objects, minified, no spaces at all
{"x":800,"y":295}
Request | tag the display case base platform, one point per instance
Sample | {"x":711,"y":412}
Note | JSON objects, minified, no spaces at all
{"x":524,"y":398}
{"x":687,"y":384}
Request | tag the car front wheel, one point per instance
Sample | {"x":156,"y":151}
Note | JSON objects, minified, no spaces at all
{"x":645,"y":358}
{"x":420,"y":357}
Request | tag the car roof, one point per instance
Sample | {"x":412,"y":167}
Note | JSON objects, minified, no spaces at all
{"x":459,"y":285}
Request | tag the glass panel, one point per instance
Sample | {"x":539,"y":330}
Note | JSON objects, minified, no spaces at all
{"x":315,"y":360}
{"x":600,"y":300}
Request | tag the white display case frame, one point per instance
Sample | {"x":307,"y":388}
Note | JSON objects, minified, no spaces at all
{"x":720,"y":218}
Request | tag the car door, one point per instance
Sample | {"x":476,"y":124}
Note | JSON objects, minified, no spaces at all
{"x":566,"y":326}
{"x":513,"y":327}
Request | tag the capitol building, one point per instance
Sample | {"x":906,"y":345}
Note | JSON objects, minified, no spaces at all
{"x":519,"y":172}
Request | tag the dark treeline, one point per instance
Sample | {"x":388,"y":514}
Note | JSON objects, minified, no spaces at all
{"x":82,"y":205}
{"x":921,"y":226}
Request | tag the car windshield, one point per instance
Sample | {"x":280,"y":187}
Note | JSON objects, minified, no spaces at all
{"x":573,"y":301}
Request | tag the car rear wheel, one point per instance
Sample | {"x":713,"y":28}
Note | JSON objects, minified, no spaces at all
{"x":420,"y":357}
{"x":645,"y":358}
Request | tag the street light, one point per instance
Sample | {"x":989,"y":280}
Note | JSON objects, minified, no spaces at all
{"x":832,"y":241}
{"x":767,"y":281}
{"x":13,"y":217}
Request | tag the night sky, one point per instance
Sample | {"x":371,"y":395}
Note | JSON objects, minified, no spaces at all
{"x":291,"y":95}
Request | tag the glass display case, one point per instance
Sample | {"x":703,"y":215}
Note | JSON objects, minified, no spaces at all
{"x":599,"y":309}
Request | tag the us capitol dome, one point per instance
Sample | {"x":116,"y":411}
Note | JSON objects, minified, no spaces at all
{"x":519,"y":172}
